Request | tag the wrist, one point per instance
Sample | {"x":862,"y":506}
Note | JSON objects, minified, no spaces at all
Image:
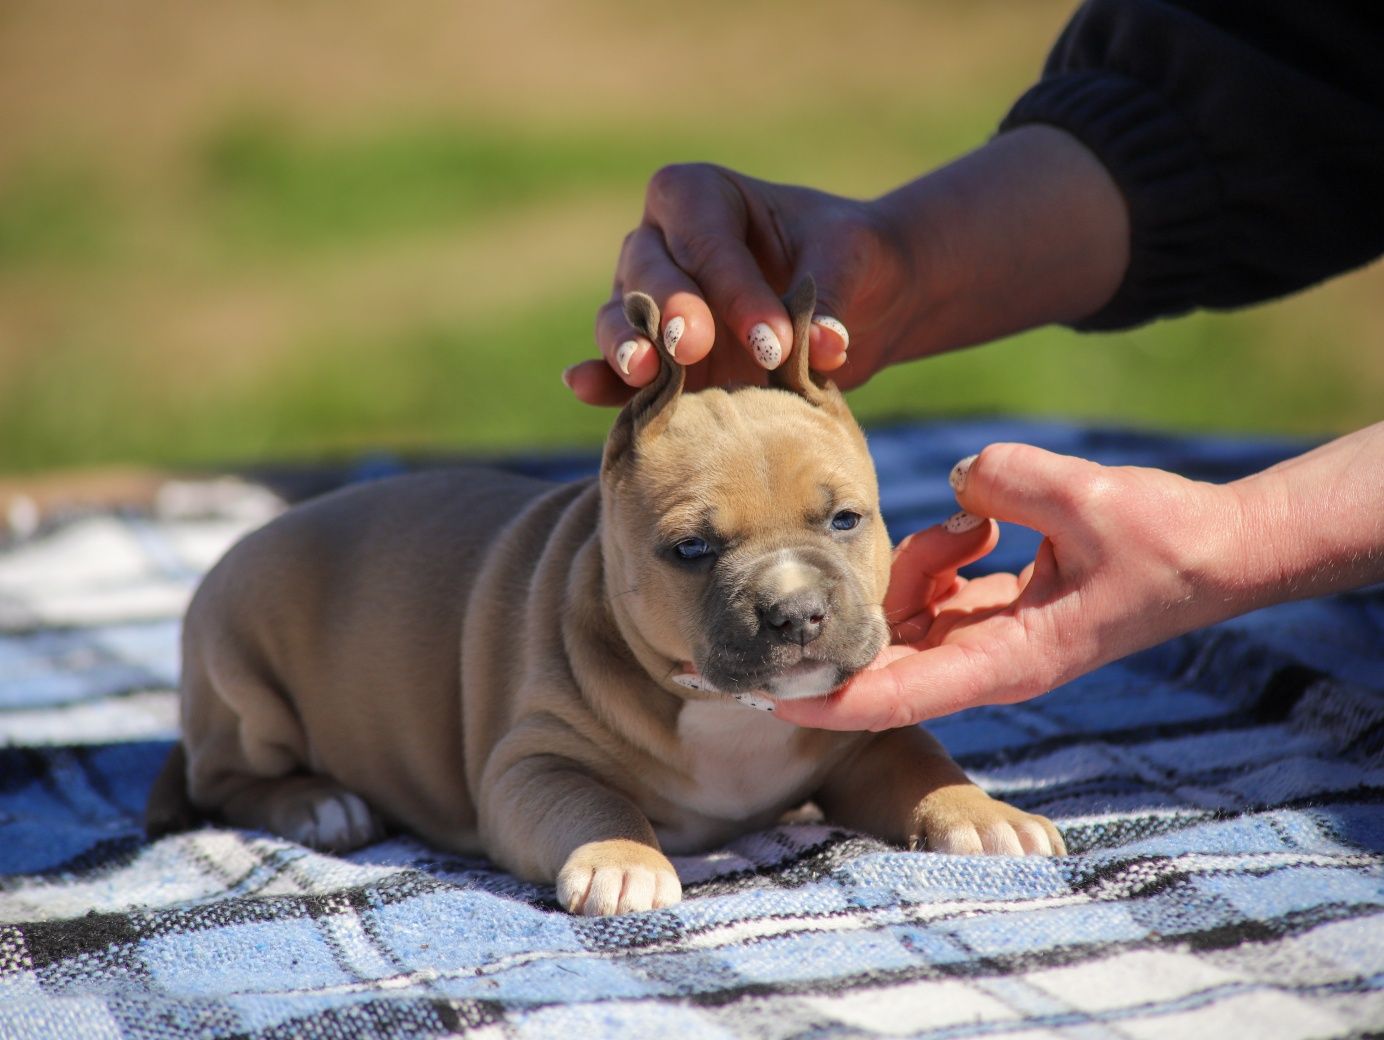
{"x":1225,"y":556}
{"x":1314,"y":524}
{"x":1269,"y":559}
{"x":1026,"y":230}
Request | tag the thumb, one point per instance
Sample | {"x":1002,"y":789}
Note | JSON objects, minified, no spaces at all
{"x":1021,"y":484}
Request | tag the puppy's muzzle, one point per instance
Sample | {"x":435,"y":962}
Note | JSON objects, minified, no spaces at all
{"x":792,"y":621}
{"x":798,"y":617}
{"x":794,"y":594}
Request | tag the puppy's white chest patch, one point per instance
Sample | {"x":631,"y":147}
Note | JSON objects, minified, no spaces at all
{"x":740,"y":761}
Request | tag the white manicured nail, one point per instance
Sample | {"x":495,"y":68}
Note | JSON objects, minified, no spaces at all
{"x":695,"y":681}
{"x":672,"y":333}
{"x":957,"y":477}
{"x":751,"y":701}
{"x":836,"y":327}
{"x":768,"y":351}
{"x":623,"y":353}
{"x":960,"y":523}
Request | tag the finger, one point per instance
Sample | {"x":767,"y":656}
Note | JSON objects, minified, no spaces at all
{"x":984,"y":593}
{"x":1029,"y":486}
{"x":593,"y":382}
{"x":995,"y":666}
{"x":703,"y":218}
{"x":840,"y":274}
{"x":969,"y":603}
{"x":827,"y":342}
{"x":927,"y":560}
{"x":912,"y":630}
{"x":628,"y":352}
{"x":921,"y":685}
{"x":688,"y":328}
{"x":973,"y":602}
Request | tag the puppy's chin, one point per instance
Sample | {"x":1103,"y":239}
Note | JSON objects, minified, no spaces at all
{"x":806,"y":679}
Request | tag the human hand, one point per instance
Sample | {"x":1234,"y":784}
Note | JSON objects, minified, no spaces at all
{"x":711,"y":248}
{"x":1027,"y":229}
{"x":1130,"y":557}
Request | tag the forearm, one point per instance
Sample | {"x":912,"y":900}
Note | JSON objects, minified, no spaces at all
{"x":1234,"y":198}
{"x":1314,"y":524}
{"x":1026,"y":230}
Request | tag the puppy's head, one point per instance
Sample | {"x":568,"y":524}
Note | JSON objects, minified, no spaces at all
{"x":741,"y":528}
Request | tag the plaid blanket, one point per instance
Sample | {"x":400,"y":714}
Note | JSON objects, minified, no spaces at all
{"x":1220,"y":795}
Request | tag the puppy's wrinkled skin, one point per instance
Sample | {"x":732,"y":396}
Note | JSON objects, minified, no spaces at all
{"x":488,"y":661}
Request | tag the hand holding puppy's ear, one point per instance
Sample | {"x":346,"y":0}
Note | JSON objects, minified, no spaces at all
{"x":650,"y":409}
{"x":796,"y":375}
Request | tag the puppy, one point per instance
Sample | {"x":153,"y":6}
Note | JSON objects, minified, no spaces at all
{"x":566,"y":677}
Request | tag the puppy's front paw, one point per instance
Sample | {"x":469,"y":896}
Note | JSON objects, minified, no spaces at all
{"x":967,"y":821}
{"x":617,"y":877}
{"x":324,"y":815}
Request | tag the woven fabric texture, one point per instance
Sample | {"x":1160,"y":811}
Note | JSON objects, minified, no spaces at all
{"x":1221,"y":796}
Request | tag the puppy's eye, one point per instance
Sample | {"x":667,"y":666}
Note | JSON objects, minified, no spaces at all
{"x":692,"y":549}
{"x":845,"y":520}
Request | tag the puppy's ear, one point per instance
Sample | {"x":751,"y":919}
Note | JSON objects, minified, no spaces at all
{"x":648,"y":412}
{"x":642,"y":314}
{"x":796,"y":375}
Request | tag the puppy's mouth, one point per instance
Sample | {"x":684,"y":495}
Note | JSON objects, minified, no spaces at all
{"x":806,"y":678}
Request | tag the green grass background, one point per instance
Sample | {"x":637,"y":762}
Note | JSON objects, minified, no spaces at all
{"x":246,"y":277}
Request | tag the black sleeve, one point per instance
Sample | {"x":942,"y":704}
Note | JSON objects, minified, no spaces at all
{"x":1246,"y":135}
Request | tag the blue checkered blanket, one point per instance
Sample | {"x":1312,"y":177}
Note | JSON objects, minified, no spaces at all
{"x":1221,"y":796}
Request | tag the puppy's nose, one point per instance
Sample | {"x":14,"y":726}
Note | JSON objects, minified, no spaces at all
{"x":798,"y":618}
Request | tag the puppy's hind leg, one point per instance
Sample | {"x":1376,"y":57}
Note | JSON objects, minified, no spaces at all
{"x":247,"y":759}
{"x":314,"y":811}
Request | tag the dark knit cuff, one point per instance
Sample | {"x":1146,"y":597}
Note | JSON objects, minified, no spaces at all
{"x":1168,"y":185}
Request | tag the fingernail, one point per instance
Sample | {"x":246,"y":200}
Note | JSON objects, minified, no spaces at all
{"x":767,"y":349}
{"x":960,"y":523}
{"x":751,"y":701}
{"x":692,"y":681}
{"x":623,"y":353}
{"x":957,"y":477}
{"x":672,"y":333}
{"x":567,"y":375}
{"x":835,"y":326}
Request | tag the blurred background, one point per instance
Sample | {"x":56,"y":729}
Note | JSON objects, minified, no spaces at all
{"x":265,"y":230}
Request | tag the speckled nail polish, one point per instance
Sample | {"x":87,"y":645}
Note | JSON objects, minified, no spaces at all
{"x":692,"y":681}
{"x":623,"y":353}
{"x":835,"y":326}
{"x":672,"y":333}
{"x":749,"y":700}
{"x":957,"y":477}
{"x":767,"y":349}
{"x":960,"y":523}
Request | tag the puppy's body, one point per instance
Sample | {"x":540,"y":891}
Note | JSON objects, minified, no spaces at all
{"x":498,"y":664}
{"x":413,"y":637}
{"x":331,"y":641}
